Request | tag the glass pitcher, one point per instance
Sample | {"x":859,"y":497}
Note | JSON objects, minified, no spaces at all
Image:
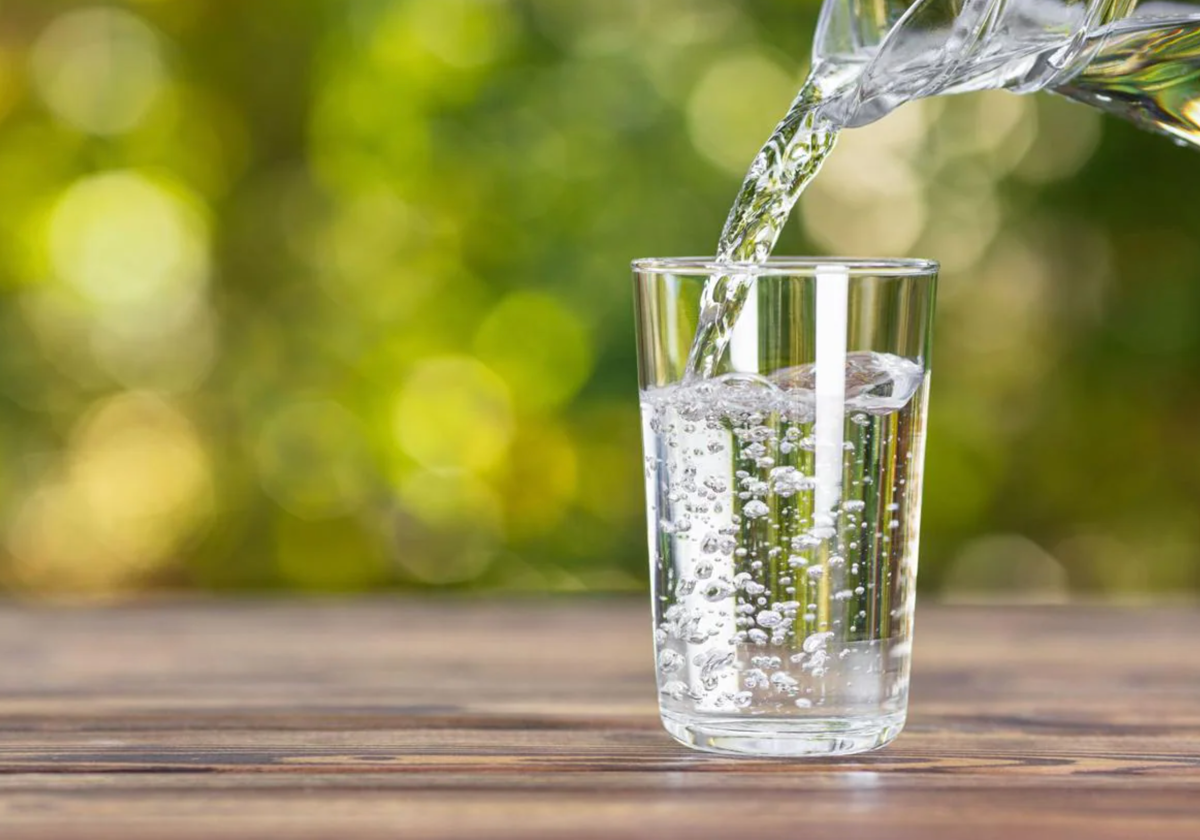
{"x":1140,"y":61}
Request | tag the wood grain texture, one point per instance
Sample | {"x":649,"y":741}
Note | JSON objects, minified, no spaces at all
{"x":537,"y":719}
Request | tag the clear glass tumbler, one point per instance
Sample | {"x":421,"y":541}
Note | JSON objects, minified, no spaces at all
{"x":784,"y":500}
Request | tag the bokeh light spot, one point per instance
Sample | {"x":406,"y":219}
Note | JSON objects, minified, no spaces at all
{"x":734,"y":106}
{"x":135,"y":253}
{"x":462,"y":33}
{"x":99,"y":69}
{"x":454,"y":412}
{"x":124,"y":241}
{"x":869,"y":198}
{"x":539,"y":346}
{"x":134,"y":486}
{"x":1067,"y":136}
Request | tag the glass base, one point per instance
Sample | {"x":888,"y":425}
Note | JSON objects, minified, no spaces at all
{"x":778,"y":737}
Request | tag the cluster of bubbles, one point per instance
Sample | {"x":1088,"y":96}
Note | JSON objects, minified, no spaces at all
{"x":760,"y":593}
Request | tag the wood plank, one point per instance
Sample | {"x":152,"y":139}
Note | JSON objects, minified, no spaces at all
{"x":538,"y":719}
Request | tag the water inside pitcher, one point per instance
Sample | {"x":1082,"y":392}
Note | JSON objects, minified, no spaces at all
{"x":1140,"y":61}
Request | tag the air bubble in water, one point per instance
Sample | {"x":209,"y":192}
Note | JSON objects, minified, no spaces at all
{"x":783,"y":682}
{"x":816,"y":641}
{"x":755,"y":678}
{"x":805,"y":541}
{"x":717,"y":590}
{"x":755,"y":509}
{"x":769,"y":618}
{"x":712,"y":663}
{"x":788,"y":481}
{"x":678,"y":527}
{"x":670,"y":661}
{"x":676,"y":690}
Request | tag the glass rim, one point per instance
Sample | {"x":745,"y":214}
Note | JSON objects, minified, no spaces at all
{"x":785,"y":266}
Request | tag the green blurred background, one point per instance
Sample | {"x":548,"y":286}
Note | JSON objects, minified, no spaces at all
{"x":332,"y":295}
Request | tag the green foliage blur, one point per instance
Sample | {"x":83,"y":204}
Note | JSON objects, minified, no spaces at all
{"x":333,"y":295}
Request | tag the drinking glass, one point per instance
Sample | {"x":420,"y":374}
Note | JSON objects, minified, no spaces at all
{"x":784,"y":498}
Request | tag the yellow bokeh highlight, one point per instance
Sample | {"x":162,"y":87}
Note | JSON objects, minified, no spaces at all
{"x":99,"y":69}
{"x":462,"y":33}
{"x":869,"y":198}
{"x":130,"y":255}
{"x":454,"y":413}
{"x":123,"y":240}
{"x":132,"y":488}
{"x":735,"y":105}
{"x":540,"y":347}
{"x":428,"y":39}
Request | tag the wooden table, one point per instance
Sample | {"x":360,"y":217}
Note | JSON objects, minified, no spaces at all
{"x":533,"y":719}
